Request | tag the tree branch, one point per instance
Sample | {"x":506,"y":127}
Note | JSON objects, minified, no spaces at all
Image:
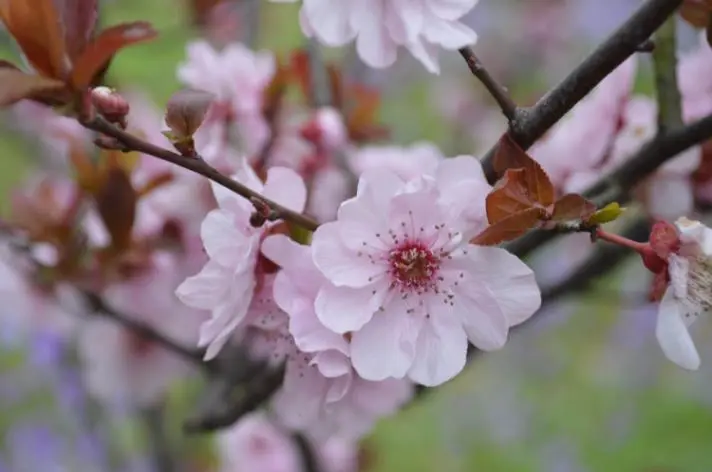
{"x":665,"y":67}
{"x":498,"y":92}
{"x":625,"y":41}
{"x":198,"y":166}
{"x":616,"y":186}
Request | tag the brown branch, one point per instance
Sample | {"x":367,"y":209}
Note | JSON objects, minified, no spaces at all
{"x":198,"y":166}
{"x":498,"y":92}
{"x":626,"y":40}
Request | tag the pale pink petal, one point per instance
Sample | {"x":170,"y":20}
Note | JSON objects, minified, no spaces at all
{"x":441,"y":351}
{"x":222,"y":241}
{"x":206,"y":289}
{"x":673,"y":336}
{"x":344,"y":309}
{"x":330,"y":21}
{"x":286,"y":187}
{"x":669,"y":197}
{"x":385,"y":346}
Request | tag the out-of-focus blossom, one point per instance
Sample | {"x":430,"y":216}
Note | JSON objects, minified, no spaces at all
{"x":256,"y":444}
{"x":321,"y":393}
{"x":379,"y":27}
{"x":237,"y":77}
{"x":406,"y":162}
{"x":688,"y":294}
{"x":123,"y":367}
{"x":405,"y":283}
{"x":226,"y":283}
{"x":580,"y":141}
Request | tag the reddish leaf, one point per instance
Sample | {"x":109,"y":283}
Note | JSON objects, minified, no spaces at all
{"x":186,"y":111}
{"x":15,"y":85}
{"x":572,"y":207}
{"x":510,"y":156}
{"x":664,"y":239}
{"x":510,"y":196}
{"x":510,"y":227}
{"x":696,"y":12}
{"x":103,"y":48}
{"x":116,"y":202}
{"x":35,"y":25}
{"x":79,"y":19}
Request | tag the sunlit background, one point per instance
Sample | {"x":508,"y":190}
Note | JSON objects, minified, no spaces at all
{"x":584,"y":387}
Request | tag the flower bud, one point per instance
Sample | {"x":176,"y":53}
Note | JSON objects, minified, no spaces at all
{"x":110,"y":105}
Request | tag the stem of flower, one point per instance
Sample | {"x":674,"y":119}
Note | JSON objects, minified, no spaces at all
{"x":619,"y":240}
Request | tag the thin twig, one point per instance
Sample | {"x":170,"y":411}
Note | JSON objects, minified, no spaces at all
{"x":665,"y":67}
{"x":310,"y":462}
{"x":532,"y":124}
{"x":198,"y":166}
{"x":498,"y":92}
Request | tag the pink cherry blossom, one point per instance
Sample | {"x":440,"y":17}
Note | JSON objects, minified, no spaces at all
{"x":257,"y":444}
{"x":238,"y":77}
{"x":694,"y":69}
{"x":688,"y":293}
{"x":407,"y":162}
{"x":119,"y":365}
{"x":321,"y":393}
{"x":226,"y":283}
{"x":588,"y":130}
{"x":379,"y":27}
{"x":405,"y":282}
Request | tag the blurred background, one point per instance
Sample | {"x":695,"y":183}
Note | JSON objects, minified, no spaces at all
{"x":584,"y":387}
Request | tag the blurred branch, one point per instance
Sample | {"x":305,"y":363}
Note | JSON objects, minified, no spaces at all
{"x":534,"y":122}
{"x":158,"y":443}
{"x":498,"y":92}
{"x":99,"y":306}
{"x":197,"y":165}
{"x":616,"y":186}
{"x":665,"y":67}
{"x":310,"y":462}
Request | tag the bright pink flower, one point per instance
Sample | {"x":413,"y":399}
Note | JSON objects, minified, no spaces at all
{"x":119,"y":365}
{"x":238,"y":77}
{"x":227,"y":282}
{"x":321,"y":393}
{"x":381,"y":26}
{"x":406,"y":284}
{"x":688,"y":294}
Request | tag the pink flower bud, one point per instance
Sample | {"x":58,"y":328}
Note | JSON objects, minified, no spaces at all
{"x":110,"y":104}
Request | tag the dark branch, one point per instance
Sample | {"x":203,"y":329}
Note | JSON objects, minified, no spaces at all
{"x":617,"y":48}
{"x":617,"y":185}
{"x":196,"y":165}
{"x":506,"y":104}
{"x":310,"y":461}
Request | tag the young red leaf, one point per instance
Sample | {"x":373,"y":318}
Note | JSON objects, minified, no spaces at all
{"x":103,"y":48}
{"x":510,"y":227}
{"x":79,"y":19}
{"x":572,"y":207}
{"x":186,"y":111}
{"x":664,"y":239}
{"x":116,"y":202}
{"x":15,"y":85}
{"x":36,"y":27}
{"x":510,"y":156}
{"x":510,"y":196}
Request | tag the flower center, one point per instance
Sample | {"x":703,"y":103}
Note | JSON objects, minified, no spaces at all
{"x":413,"y":266}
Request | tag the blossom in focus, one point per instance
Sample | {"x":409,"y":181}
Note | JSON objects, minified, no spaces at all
{"x":688,"y":294}
{"x":237,"y":77}
{"x":406,"y":285}
{"x":380,"y":27}
{"x":121,"y":366}
{"x":256,"y":444}
{"x":321,"y":392}
{"x":226,"y":283}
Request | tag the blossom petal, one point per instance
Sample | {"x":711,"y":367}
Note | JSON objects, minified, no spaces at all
{"x":340,"y":265}
{"x":286,"y":187}
{"x":441,"y":351}
{"x":385,"y":346}
{"x":673,"y":336}
{"x":344,"y":309}
{"x":207,"y":288}
{"x":330,"y":21}
{"x":450,"y":9}
{"x":221,"y":239}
